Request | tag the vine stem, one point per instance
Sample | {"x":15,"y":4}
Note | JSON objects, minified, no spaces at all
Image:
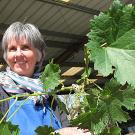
{"x":86,"y":60}
{"x":98,"y":101}
{"x":16,"y":98}
{"x":52,"y":111}
{"x":97,"y":86}
{"x":23,"y":95}
{"x":117,"y":125}
{"x":8,"y":111}
{"x":17,"y":109}
{"x":66,"y":88}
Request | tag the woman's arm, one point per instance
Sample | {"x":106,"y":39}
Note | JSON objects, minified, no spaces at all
{"x":73,"y":131}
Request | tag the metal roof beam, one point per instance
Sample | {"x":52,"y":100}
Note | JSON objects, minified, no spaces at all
{"x":70,"y":51}
{"x":100,"y":81}
{"x":61,"y":34}
{"x":92,"y":76}
{"x":53,"y":44}
{"x":72,"y":6}
{"x":3,"y":27}
{"x":75,"y":64}
{"x":59,"y":44}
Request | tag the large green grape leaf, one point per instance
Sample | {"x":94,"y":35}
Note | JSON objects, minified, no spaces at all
{"x":112,"y":42}
{"x":120,"y":54}
{"x":83,"y":120}
{"x":127,"y":20}
{"x":110,"y":25}
{"x":51,"y":76}
{"x":107,"y":106}
{"x":100,"y":57}
{"x":113,"y":99}
{"x":112,"y":131}
{"x":100,"y":29}
{"x":129,"y":98}
{"x":98,"y":125}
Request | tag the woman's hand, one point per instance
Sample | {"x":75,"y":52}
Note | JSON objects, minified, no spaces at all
{"x":73,"y":131}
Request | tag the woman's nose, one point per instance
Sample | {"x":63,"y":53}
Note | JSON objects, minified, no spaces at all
{"x":18,"y":52}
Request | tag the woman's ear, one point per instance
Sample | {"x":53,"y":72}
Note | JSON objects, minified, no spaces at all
{"x":39,"y":55}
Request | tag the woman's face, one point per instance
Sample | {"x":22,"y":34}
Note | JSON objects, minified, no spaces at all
{"x":21,"y":57}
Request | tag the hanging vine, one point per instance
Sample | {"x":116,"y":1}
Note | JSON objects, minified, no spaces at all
{"x":111,"y":46}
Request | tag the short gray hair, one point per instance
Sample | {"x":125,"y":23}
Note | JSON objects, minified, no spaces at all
{"x":29,"y":31}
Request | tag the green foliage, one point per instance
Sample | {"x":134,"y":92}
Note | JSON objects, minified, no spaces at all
{"x":112,"y":42}
{"x":51,"y":76}
{"x":105,"y":107}
{"x":111,"y":47}
{"x":1,"y":115}
{"x":6,"y":128}
{"x":112,"y":131}
{"x":45,"y":130}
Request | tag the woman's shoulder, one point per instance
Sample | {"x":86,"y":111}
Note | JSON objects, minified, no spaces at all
{"x":3,"y":72}
{"x":3,"y":76}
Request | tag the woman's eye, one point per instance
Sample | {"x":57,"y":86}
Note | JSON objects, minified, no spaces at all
{"x":25,"y":48}
{"x":12,"y":49}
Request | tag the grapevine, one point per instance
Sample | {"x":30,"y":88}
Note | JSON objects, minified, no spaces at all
{"x":111,"y":47}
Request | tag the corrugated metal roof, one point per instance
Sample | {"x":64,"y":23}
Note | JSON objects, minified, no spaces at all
{"x":64,"y":25}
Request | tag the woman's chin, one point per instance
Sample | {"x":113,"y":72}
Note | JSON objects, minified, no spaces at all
{"x":20,"y":73}
{"x":24,"y":70}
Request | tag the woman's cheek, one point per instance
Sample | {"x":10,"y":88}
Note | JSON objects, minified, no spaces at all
{"x":10,"y":58}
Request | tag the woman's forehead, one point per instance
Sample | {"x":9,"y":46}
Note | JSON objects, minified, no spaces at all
{"x":20,"y":39}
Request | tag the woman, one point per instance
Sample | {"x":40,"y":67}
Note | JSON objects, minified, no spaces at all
{"x":23,"y":48}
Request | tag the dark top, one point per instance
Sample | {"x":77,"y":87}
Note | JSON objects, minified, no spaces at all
{"x":3,"y":105}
